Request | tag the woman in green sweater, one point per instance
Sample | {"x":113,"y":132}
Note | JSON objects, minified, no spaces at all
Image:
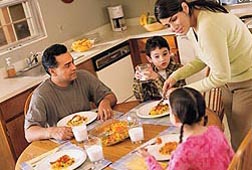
{"x":224,"y":44}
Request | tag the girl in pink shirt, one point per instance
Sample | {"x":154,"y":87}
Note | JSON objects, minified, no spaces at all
{"x":201,"y":147}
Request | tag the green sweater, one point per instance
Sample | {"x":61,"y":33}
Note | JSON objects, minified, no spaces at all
{"x":225,"y":46}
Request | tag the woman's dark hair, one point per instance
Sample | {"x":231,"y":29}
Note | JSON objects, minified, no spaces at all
{"x":154,"y":42}
{"x":48,"y":58}
{"x":188,"y":105}
{"x":167,"y":8}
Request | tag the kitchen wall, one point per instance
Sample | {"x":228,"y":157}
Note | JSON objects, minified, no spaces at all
{"x":134,"y":8}
{"x":65,"y":21}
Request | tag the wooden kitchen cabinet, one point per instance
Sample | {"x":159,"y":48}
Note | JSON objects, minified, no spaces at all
{"x":12,"y":138}
{"x":138,"y":49}
{"x":87,"y":65}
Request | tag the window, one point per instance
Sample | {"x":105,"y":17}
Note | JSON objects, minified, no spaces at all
{"x":20,"y":24}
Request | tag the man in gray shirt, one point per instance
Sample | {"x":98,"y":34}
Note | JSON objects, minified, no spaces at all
{"x":66,"y":91}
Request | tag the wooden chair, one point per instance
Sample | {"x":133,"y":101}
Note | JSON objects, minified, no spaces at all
{"x":214,"y":101}
{"x":242,"y":159}
{"x":27,"y":103}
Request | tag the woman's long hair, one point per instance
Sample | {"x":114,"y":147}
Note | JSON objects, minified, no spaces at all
{"x":167,"y":8}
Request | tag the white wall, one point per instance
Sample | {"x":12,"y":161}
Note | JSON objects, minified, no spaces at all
{"x":64,"y":21}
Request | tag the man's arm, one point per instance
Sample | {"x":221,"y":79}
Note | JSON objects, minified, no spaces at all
{"x":105,"y":106}
{"x":35,"y":133}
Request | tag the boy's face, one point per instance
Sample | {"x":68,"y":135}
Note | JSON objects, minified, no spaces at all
{"x":160,"y":57}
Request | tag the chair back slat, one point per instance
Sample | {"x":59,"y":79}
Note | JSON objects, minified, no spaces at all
{"x":213,"y":99}
{"x":242,"y":159}
{"x":27,"y":103}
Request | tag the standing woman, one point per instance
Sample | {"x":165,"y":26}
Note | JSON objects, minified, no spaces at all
{"x":224,"y":44}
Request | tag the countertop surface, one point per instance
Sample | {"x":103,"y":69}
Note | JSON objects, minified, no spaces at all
{"x":11,"y":87}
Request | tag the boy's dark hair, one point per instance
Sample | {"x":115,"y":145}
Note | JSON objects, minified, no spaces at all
{"x":167,"y":8}
{"x":189,"y":106}
{"x":48,"y":58}
{"x":154,"y":42}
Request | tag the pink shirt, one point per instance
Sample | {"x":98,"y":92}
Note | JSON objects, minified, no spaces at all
{"x":208,"y":151}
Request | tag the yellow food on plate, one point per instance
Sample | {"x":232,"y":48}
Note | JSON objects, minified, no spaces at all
{"x":62,"y":163}
{"x":159,"y":109}
{"x":115,"y":133}
{"x":76,"y":120}
{"x":168,"y":148}
{"x":82,"y":45}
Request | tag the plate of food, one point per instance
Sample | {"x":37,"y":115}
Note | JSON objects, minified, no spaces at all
{"x":78,"y":118}
{"x":153,"y":110}
{"x":65,"y":159}
{"x":164,"y":146}
{"x":111,"y":132}
{"x":82,"y":45}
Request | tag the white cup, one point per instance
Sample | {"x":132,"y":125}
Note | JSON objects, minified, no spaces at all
{"x":93,"y":147}
{"x":80,"y":132}
{"x":136,"y":133}
{"x":143,"y":69}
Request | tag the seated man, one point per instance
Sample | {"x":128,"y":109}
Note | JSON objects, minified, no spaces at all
{"x":66,"y":91}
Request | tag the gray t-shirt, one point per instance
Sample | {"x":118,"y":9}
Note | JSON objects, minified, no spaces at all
{"x":50,"y":103}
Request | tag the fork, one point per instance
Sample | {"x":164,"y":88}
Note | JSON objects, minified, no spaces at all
{"x":163,"y":96}
{"x":35,"y":161}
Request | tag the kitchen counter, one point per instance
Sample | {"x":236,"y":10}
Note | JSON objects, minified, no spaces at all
{"x":107,"y":38}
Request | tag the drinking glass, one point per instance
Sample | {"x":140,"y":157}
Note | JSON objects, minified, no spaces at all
{"x":80,"y":132}
{"x":93,"y":147}
{"x":135,"y":130}
{"x":143,"y":68}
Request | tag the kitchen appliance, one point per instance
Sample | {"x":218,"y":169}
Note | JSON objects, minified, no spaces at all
{"x":115,"y":69}
{"x":117,"y":18}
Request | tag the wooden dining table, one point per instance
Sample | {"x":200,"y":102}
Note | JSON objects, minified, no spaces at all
{"x":115,"y":152}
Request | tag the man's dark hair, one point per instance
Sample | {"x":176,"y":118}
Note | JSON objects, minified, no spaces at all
{"x":48,"y":58}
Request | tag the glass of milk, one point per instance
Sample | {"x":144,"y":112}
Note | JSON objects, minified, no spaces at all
{"x":93,"y":147}
{"x":136,"y":132}
{"x":80,"y":132}
{"x":143,"y":70}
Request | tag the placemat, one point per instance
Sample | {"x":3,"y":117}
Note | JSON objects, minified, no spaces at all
{"x":165,"y":120}
{"x":66,"y":146}
{"x":98,"y":122}
{"x":125,"y":163}
{"x":92,"y":125}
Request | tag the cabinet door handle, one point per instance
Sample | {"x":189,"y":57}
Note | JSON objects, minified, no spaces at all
{"x":7,"y":133}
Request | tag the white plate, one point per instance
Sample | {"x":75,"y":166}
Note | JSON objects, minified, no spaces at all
{"x":78,"y":155}
{"x":143,"y":111}
{"x":91,"y":116}
{"x":154,"y":149}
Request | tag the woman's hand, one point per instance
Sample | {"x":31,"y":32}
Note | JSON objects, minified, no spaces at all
{"x":168,"y":85}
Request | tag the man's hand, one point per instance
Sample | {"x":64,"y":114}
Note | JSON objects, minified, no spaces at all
{"x":104,"y":110}
{"x":60,"y":133}
{"x":35,"y":133}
